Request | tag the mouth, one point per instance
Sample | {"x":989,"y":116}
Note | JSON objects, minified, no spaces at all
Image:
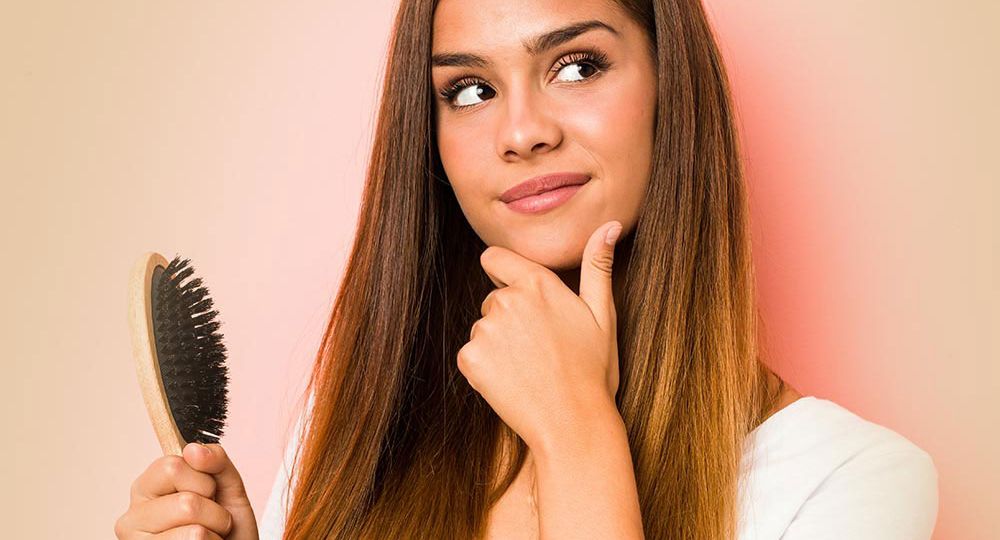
{"x":543,"y":192}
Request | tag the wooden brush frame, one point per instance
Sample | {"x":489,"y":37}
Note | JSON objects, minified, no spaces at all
{"x":147,"y":364}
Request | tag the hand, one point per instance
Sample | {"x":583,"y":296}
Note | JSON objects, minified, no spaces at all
{"x":194,"y":495}
{"x":544,"y":358}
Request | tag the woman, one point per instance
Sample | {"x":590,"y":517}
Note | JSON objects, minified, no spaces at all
{"x":494,"y":369}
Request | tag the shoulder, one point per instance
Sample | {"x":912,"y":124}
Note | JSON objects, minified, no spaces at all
{"x":825,"y":472}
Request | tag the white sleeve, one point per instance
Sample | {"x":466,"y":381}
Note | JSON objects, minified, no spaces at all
{"x":884,"y":496}
{"x":272,"y":523}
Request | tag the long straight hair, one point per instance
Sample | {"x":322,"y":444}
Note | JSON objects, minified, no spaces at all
{"x":400,"y":446}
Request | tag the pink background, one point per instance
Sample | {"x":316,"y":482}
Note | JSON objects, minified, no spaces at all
{"x":236,"y":133}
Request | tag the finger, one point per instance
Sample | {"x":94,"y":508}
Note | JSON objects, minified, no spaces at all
{"x":229,"y":492}
{"x":186,"y":532}
{"x":506,"y":267}
{"x":170,"y":474}
{"x":595,"y":274}
{"x":177,"y":510}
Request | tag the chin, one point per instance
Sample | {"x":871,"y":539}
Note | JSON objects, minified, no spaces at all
{"x":553,"y":259}
{"x":556,"y":248}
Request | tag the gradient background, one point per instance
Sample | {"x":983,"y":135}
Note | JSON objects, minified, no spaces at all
{"x":236,"y":134}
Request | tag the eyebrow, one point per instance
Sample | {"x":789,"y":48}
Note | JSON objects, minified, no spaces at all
{"x":534,"y":46}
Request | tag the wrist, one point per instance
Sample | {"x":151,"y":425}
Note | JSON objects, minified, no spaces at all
{"x":591,"y":430}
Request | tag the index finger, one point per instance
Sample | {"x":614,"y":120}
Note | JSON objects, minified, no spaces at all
{"x":506,"y":267}
{"x":170,"y":474}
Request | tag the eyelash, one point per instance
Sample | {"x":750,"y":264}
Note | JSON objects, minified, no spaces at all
{"x":594,"y":57}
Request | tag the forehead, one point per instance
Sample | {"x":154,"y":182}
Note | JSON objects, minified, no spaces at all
{"x":489,"y":24}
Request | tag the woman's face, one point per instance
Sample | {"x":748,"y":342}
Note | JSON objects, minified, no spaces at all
{"x":581,"y":102}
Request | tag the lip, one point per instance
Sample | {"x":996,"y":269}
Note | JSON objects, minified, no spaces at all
{"x":543,"y":183}
{"x":544,"y":201}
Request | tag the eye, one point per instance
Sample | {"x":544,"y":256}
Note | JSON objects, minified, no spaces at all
{"x":465,"y":91}
{"x":584,"y":65}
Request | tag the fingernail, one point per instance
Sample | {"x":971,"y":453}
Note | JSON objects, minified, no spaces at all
{"x":203,"y":450}
{"x":612,"y":235}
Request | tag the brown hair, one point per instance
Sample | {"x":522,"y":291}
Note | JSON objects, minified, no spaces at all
{"x":400,"y":446}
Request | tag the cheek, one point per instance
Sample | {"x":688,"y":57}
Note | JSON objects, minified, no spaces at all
{"x":619,"y":119}
{"x":450,"y":148}
{"x":463,"y":148}
{"x":616,"y":127}
{"x":465,"y":142}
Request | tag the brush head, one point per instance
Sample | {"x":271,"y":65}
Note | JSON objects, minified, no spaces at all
{"x":190,"y":352}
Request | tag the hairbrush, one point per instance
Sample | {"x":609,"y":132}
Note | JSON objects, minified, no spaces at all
{"x":179,"y":354}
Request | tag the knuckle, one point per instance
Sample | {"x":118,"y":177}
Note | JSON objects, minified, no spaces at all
{"x":485,"y":325}
{"x":120,"y":530}
{"x":491,"y":297}
{"x":482,"y":324}
{"x":172,"y":466}
{"x":502,"y":298}
{"x":499,"y":300}
{"x":465,"y":361}
{"x":188,"y":504}
{"x":538,"y":280}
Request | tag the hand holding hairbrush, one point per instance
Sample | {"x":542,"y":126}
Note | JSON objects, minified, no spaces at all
{"x":193,"y":490}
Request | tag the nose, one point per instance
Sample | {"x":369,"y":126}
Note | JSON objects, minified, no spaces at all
{"x":526,"y":126}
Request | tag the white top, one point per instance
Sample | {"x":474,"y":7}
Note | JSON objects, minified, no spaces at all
{"x":813,"y":470}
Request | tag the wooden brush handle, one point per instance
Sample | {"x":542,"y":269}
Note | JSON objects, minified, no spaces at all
{"x":140,"y":303}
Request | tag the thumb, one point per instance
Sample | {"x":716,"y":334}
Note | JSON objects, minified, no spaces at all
{"x":595,"y":274}
{"x":229,"y":492}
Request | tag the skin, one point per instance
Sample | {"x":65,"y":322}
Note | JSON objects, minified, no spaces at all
{"x":544,"y":353}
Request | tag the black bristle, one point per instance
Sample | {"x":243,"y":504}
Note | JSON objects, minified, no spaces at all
{"x":190,"y":351}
